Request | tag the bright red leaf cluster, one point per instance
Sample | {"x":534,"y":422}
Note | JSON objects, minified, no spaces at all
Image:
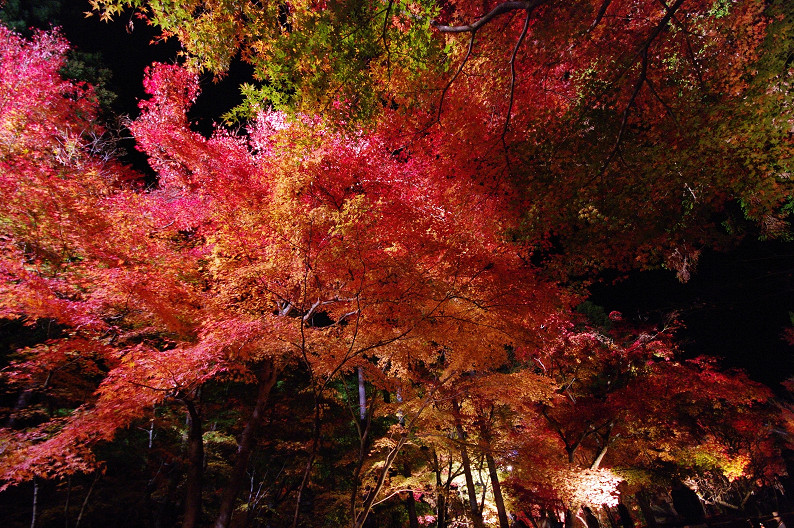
{"x":435,"y":253}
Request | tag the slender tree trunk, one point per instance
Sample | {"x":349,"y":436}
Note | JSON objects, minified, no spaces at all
{"x":441,"y":491}
{"x":480,"y":465}
{"x":195,"y":468}
{"x":484,"y":424}
{"x":599,"y":458}
{"x":474,"y":509}
{"x":413,"y":519}
{"x":362,"y":395}
{"x":570,"y":518}
{"x":266,"y":378}
{"x":610,"y":517}
{"x":358,"y":520}
{"x":35,"y":502}
{"x":441,"y":508}
{"x":151,"y":430}
{"x":68,"y":496}
{"x":363,"y":449}
{"x":504,"y":522}
{"x":85,"y":501}
{"x":604,"y":437}
{"x":308,"y":469}
{"x":476,"y":516}
{"x":22,"y":402}
{"x":645,"y":508}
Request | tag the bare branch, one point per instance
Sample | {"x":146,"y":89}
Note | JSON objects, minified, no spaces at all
{"x":387,"y":497}
{"x":285,"y":309}
{"x":501,"y":9}
{"x":626,"y":111}
{"x":690,"y":50}
{"x":383,"y":36}
{"x":311,"y":311}
{"x":513,"y":71}
{"x":640,"y":81}
{"x":666,"y":106}
{"x":454,"y":77}
{"x":663,"y":23}
{"x":601,"y":12}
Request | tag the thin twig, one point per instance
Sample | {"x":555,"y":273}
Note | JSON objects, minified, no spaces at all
{"x":626,"y":112}
{"x":454,"y":77}
{"x":640,"y":81}
{"x":666,"y":106}
{"x":690,"y":50}
{"x":513,"y":72}
{"x":85,"y":502}
{"x":385,"y":40}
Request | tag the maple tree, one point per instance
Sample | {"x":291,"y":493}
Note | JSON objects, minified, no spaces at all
{"x":418,"y":211}
{"x":628,"y":409}
{"x":317,"y":257}
{"x":606,"y":111}
{"x":81,"y":249}
{"x":405,"y":299}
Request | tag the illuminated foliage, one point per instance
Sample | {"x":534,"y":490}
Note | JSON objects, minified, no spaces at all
{"x":419,"y":199}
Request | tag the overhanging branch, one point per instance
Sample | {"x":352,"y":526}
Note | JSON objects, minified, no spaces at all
{"x":601,"y":12}
{"x":513,"y":73}
{"x":501,"y":9}
{"x":657,"y":30}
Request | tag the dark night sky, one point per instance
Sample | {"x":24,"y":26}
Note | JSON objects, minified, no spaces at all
{"x":128,"y":45}
{"x":736,"y":306}
{"x":128,"y":53}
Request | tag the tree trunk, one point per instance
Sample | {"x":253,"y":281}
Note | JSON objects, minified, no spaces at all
{"x":480,"y":465}
{"x":610,"y":517}
{"x":604,"y":437}
{"x":599,"y":458}
{"x":358,"y":520}
{"x":474,"y":509}
{"x":195,"y":468}
{"x":362,"y":395}
{"x":85,"y":501}
{"x":413,"y":520}
{"x":266,"y":378}
{"x":308,"y":469}
{"x":441,"y":494}
{"x":645,"y":508}
{"x":476,"y":516}
{"x":35,"y":502}
{"x":497,"y":491}
{"x":68,"y":496}
{"x":569,"y":518}
{"x":363,"y":449}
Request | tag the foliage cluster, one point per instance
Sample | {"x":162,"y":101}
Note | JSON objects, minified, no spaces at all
{"x":364,"y":304}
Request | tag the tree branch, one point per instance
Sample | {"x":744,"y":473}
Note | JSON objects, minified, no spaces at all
{"x":666,"y":106}
{"x":501,"y":9}
{"x":626,"y":111}
{"x":690,"y":50}
{"x":601,"y":12}
{"x":513,"y":71}
{"x":383,"y":36}
{"x":454,"y":77}
{"x":670,"y":12}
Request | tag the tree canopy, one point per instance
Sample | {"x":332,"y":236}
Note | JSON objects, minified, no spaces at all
{"x":369,"y":296}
